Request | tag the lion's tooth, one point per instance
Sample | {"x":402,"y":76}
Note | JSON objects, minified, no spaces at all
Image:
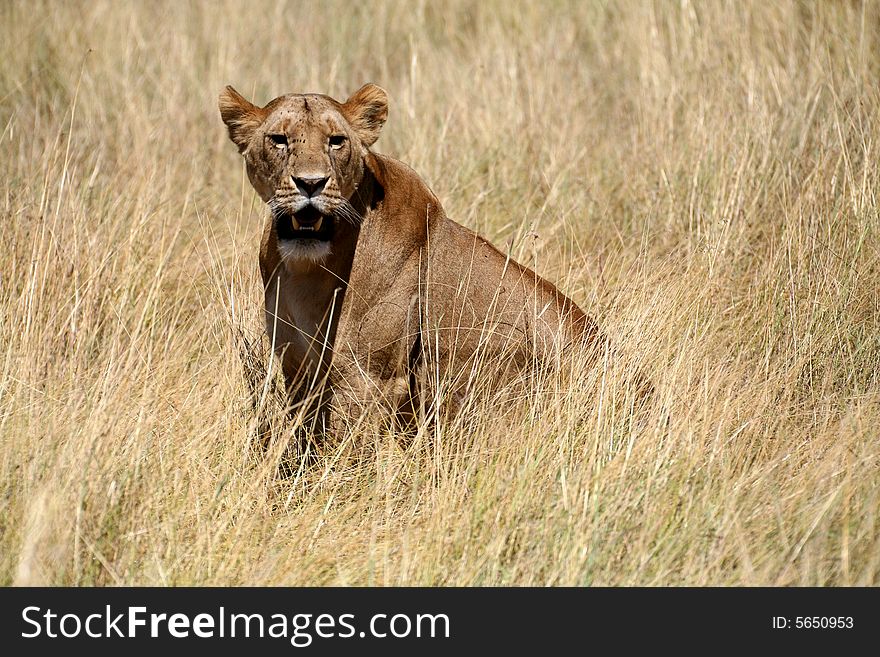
{"x":295,"y":223}
{"x":318,"y":223}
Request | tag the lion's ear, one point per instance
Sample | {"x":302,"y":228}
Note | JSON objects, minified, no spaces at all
{"x":366,"y":111}
{"x":240,"y":116}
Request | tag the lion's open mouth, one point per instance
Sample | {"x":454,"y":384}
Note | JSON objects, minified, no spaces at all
{"x":307,"y":224}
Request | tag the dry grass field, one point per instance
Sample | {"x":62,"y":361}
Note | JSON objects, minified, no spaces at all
{"x":702,"y":177}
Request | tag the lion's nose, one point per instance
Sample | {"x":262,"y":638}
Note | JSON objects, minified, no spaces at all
{"x":309,"y":187}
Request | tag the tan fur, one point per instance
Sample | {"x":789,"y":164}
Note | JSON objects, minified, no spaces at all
{"x":404,"y":292}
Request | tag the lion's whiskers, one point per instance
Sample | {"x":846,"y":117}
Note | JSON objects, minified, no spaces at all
{"x":346,"y":211}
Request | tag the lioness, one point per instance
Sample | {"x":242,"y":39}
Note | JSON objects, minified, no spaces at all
{"x":369,"y":286}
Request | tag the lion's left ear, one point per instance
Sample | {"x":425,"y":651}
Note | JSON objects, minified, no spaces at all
{"x":366,"y":111}
{"x":241,"y":117}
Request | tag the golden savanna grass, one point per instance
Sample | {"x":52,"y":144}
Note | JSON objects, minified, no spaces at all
{"x":701,"y":177}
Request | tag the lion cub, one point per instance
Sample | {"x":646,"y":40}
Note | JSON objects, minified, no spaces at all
{"x":372,"y":294}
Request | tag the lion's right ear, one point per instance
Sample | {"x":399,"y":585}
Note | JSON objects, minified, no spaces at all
{"x":366,"y":111}
{"x":240,"y":116}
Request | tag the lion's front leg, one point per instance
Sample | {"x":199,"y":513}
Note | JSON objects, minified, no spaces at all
{"x":359,"y":395}
{"x":375,"y":355}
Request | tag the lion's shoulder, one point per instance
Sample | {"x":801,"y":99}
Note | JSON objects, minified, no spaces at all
{"x":405,"y":197}
{"x":399,"y":180}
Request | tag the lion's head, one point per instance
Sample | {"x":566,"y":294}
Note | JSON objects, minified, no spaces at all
{"x":305,"y":158}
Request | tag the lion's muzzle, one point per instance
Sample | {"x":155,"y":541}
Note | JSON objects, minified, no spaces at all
{"x":308,"y":223}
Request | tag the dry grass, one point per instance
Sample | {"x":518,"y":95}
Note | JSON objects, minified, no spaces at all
{"x":702,"y":177}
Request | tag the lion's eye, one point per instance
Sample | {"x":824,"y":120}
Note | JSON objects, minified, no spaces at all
{"x":336,"y":141}
{"x":280,"y":141}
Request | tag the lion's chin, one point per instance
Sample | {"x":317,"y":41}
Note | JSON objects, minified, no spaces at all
{"x":299,"y":251}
